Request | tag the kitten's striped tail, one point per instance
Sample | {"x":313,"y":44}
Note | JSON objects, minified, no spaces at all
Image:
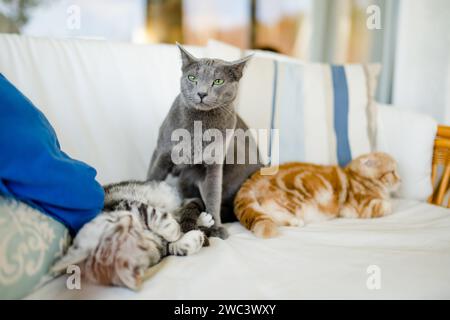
{"x":250,"y":214}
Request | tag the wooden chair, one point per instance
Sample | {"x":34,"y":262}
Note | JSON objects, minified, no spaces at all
{"x":441,"y":167}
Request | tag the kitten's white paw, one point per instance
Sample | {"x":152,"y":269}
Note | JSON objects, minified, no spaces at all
{"x":205,"y":220}
{"x":190,"y":243}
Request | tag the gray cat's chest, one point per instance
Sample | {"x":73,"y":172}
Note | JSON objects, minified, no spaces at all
{"x":207,"y":132}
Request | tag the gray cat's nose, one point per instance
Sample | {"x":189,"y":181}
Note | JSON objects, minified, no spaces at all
{"x":202,"y":95}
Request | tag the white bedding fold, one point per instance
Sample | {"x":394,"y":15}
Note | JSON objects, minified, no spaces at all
{"x":323,"y":261}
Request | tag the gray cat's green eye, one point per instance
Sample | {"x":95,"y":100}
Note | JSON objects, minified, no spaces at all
{"x":218,"y":82}
{"x":192,"y":78}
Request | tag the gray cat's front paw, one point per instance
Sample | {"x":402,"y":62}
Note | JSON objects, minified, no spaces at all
{"x":218,"y":231}
{"x":205,"y":220}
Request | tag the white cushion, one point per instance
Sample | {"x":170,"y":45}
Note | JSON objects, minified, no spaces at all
{"x":409,"y":138}
{"x":324,"y":113}
{"x":225,"y":51}
{"x":105,"y":100}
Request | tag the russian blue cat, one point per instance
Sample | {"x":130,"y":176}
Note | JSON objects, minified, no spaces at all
{"x":209,"y":88}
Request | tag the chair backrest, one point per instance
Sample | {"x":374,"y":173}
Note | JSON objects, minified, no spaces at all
{"x":440,"y":174}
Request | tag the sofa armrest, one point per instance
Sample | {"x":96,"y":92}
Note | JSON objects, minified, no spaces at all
{"x":409,"y":138}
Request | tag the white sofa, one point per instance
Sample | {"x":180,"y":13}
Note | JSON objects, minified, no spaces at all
{"x":106,"y":102}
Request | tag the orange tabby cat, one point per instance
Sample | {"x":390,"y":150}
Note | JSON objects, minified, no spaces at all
{"x":300,"y":193}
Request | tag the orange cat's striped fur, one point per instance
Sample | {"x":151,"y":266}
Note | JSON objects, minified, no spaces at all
{"x":300,"y":193}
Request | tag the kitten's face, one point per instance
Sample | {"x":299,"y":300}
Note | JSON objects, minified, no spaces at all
{"x":208,"y":84}
{"x":378,"y":166}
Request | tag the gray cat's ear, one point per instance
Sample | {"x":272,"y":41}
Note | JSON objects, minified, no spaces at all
{"x":237,"y":67}
{"x":186,"y":58}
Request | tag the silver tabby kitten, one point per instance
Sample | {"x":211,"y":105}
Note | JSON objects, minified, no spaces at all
{"x":208,"y":91}
{"x":141,"y":223}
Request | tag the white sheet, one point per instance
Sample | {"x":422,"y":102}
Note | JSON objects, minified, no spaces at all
{"x":322,"y":261}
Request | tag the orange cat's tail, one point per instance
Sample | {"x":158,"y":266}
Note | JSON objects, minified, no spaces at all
{"x":248,"y":212}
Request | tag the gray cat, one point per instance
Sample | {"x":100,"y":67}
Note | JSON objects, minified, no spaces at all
{"x":208,"y":91}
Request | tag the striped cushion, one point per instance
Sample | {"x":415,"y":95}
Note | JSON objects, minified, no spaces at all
{"x":324,"y":113}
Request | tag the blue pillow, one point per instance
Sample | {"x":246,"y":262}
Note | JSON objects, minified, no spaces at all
{"x":35,"y":170}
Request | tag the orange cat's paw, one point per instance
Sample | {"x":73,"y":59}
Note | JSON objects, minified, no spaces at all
{"x":265,"y":229}
{"x":380,"y":208}
{"x":296,"y":222}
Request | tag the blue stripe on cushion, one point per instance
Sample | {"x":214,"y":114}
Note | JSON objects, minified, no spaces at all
{"x":341,"y":112}
{"x":274,"y":102}
{"x":290,"y":113}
